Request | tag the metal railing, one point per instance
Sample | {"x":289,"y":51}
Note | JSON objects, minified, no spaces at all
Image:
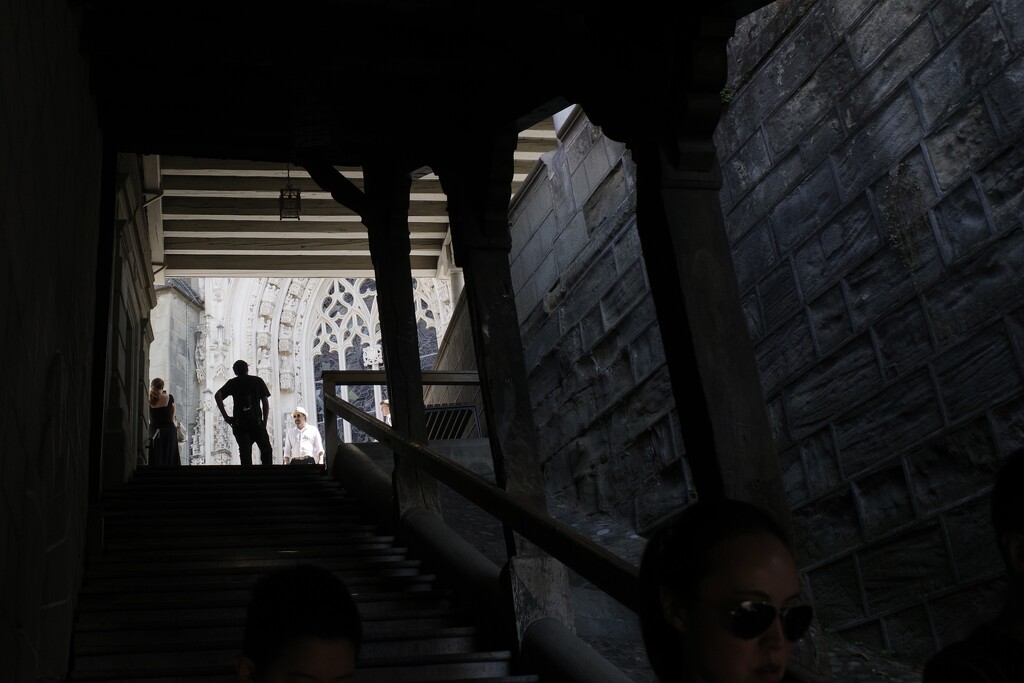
{"x":605,"y":570}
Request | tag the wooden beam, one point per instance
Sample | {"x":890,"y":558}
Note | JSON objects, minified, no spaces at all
{"x":286,"y":245}
{"x":256,"y":206}
{"x":306,"y":265}
{"x":387,"y":216}
{"x":257,"y":226}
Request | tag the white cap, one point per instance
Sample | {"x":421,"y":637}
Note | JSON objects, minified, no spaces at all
{"x":300,"y":409}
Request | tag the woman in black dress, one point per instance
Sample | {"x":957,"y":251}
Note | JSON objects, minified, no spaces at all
{"x":162,"y":432}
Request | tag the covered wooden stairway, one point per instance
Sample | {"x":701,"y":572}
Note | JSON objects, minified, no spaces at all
{"x":164,"y":601}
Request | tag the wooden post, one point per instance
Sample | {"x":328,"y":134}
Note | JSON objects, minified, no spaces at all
{"x":710,"y":355}
{"x":384,"y":209}
{"x":387,"y":221}
{"x":477,"y":181}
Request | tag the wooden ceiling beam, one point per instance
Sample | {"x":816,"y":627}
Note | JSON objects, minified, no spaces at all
{"x":266,"y":206}
{"x":258,"y":265}
{"x":177,"y":227}
{"x":285,"y":245}
{"x":220,"y":217}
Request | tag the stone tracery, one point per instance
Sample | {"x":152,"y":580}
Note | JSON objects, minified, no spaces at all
{"x":288,"y":329}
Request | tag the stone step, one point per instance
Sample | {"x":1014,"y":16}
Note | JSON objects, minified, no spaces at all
{"x":420,"y":669}
{"x":215,"y":653}
{"x":226,"y":674}
{"x":166,"y":598}
{"x":254,"y":500}
{"x":228,"y":472}
{"x":376,"y":642}
{"x":197,"y":485}
{"x":158,"y":653}
{"x":103,"y":602}
{"x":243,"y":509}
{"x":211,"y":540}
{"x":240,"y":550}
{"x":245,"y":580}
{"x":194,"y":622}
{"x":157,"y":530}
{"x":159,"y":569}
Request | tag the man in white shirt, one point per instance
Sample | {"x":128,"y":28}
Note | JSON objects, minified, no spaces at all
{"x":385,"y":411}
{"x":304,"y":444}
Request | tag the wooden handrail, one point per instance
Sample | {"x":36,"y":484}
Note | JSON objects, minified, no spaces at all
{"x":609,"y":572}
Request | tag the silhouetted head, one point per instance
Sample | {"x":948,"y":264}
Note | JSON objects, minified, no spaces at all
{"x":301,"y":621}
{"x":240,"y":367}
{"x":720,"y":596}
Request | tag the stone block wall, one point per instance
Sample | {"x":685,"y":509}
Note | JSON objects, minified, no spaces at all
{"x":133,"y":297}
{"x":172,"y":355}
{"x":50,"y":178}
{"x":873,"y":194}
{"x":609,"y":439}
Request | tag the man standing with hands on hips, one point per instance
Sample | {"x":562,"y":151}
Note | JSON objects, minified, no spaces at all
{"x":249,"y":424}
{"x":304,"y":444}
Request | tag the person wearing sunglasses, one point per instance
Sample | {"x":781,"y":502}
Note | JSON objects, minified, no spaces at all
{"x":720,"y":597}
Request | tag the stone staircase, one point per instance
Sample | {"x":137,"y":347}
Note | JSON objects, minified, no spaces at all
{"x":165,"y":599}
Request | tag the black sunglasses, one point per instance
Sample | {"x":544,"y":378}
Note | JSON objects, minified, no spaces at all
{"x":750,"y":619}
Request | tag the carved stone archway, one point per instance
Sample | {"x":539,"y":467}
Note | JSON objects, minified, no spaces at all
{"x":283,"y":327}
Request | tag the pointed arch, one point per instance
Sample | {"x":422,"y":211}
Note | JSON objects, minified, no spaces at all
{"x":292,"y":329}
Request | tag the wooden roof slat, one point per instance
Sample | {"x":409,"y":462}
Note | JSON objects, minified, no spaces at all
{"x":220,"y":216}
{"x":285,"y":244}
{"x":256,"y":265}
{"x":256,"y":206}
{"x":260,"y":228}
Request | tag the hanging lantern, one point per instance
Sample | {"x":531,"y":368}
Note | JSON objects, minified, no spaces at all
{"x":290,"y":202}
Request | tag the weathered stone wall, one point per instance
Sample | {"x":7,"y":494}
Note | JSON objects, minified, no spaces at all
{"x":609,"y":440}
{"x":874,"y":187}
{"x":50,"y":171}
{"x":133,"y":297}
{"x":872,"y":193}
{"x":172,"y":355}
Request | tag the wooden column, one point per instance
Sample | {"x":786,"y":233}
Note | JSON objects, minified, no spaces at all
{"x":710,"y":355}
{"x":477,"y":180}
{"x":668,"y":125}
{"x":384,"y":209}
{"x":709,"y":352}
{"x":387,"y":221}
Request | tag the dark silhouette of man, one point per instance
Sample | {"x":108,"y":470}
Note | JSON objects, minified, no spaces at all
{"x":251,"y":404}
{"x":994,"y":652}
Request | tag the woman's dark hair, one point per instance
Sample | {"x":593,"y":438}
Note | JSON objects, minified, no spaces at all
{"x":155,"y":389}
{"x":304,"y":601}
{"x":675,"y":560}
